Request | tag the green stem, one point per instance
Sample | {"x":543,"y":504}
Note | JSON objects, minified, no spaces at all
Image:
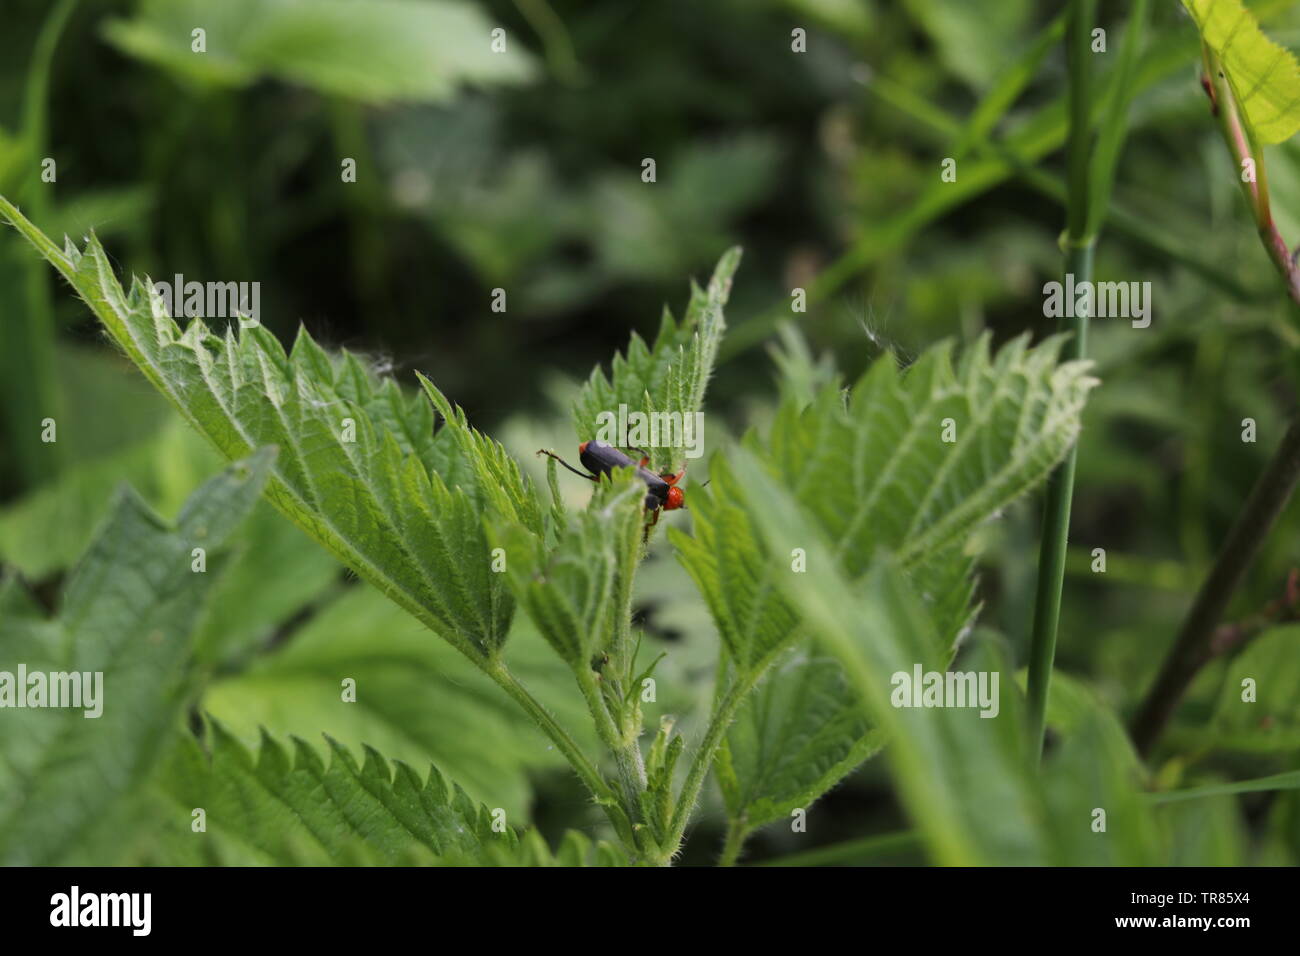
{"x":723,"y":713}
{"x":1242,"y":145}
{"x":29,"y":383}
{"x":549,"y":726}
{"x":737,"y":833}
{"x":626,"y":752}
{"x":631,"y":775}
{"x":1141,"y":229}
{"x":1078,"y":262}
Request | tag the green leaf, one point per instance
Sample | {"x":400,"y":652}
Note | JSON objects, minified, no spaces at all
{"x":1211,"y":830}
{"x":967,"y":781}
{"x":1278,"y":781}
{"x":377,"y":51}
{"x":1265,"y":78}
{"x":1270,"y":723}
{"x":48,"y":529}
{"x":669,"y":378}
{"x":277,"y":807}
{"x":128,"y":612}
{"x":732,"y":569}
{"x":1094,"y":767}
{"x":1115,"y":121}
{"x":877,"y":475}
{"x":417,"y":700}
{"x":360,"y":468}
{"x":282,"y":803}
{"x":874,"y":474}
{"x":879,"y":472}
{"x":797,"y":736}
{"x":245,"y":611}
{"x":571,"y":591}
{"x":656,"y":233}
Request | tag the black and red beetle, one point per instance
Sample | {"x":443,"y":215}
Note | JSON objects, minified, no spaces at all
{"x":662,"y":493}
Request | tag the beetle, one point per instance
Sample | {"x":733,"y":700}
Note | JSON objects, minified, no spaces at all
{"x":599,"y":458}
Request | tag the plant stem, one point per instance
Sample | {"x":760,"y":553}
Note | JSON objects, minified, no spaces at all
{"x":1079,"y":242}
{"x":1193,"y":646}
{"x":1242,"y":145}
{"x":29,"y":384}
{"x":626,"y":753}
{"x":723,"y":714}
{"x":549,"y":726}
{"x":737,"y":832}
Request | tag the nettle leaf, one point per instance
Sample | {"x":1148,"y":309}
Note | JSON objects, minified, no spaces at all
{"x":128,"y":611}
{"x":360,"y":467}
{"x":283,"y":807}
{"x":244,"y":613}
{"x":917,"y":458}
{"x":283,"y":800}
{"x":735,"y":573}
{"x":669,"y":378}
{"x":1265,"y":77}
{"x":49,"y":528}
{"x":873,"y":472}
{"x":496,"y":475}
{"x":378,"y":51}
{"x":416,"y":700}
{"x":876,"y":472}
{"x":571,"y":591}
{"x":799,"y":734}
{"x":967,"y":781}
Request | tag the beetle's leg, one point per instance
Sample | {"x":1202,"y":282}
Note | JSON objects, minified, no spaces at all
{"x":580,"y":474}
{"x":645,"y":455}
{"x":645,"y":537}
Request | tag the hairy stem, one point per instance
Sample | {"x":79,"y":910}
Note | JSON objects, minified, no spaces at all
{"x":626,"y":752}
{"x":737,"y":833}
{"x":1193,"y":646}
{"x":724,"y":712}
{"x":549,"y":726}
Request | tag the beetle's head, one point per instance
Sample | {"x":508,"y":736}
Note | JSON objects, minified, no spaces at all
{"x":675,"y":499}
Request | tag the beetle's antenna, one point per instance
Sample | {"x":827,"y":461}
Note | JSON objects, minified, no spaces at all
{"x":580,"y":474}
